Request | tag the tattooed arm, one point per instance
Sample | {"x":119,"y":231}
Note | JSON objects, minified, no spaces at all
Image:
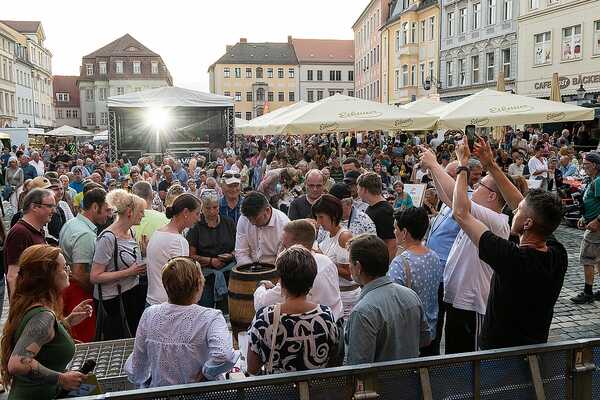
{"x":38,"y":332}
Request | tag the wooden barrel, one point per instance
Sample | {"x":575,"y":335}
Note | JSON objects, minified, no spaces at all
{"x":242,"y":284}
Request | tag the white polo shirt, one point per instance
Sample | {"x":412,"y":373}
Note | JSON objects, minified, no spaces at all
{"x":466,"y":277}
{"x":259,"y":244}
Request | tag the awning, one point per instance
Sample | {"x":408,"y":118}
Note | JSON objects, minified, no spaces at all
{"x":66,"y":130}
{"x":169,"y":96}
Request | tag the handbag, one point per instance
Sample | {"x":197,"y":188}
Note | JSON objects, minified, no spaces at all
{"x":102,"y":315}
{"x":276,"y":320}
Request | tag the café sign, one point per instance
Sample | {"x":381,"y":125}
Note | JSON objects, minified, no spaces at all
{"x":565,"y":82}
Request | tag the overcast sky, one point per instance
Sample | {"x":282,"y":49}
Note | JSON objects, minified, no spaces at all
{"x":189,"y":35}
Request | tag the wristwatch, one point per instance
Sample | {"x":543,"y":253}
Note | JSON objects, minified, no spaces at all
{"x":461,"y":169}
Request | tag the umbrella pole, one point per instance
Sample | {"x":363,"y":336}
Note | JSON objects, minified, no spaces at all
{"x":339,"y":140}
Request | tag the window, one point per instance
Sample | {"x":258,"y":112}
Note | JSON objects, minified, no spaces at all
{"x":534,"y":4}
{"x":75,"y":114}
{"x":491,"y":15}
{"x":248,"y":115}
{"x":68,"y":114}
{"x":506,"y":63}
{"x":462,"y":73}
{"x":474,"y":69}
{"x":413,"y":75}
{"x":350,"y":76}
{"x":89,"y":69}
{"x":281,"y":96}
{"x":431,"y":28}
{"x":507,"y":10}
{"x":571,"y":43}
{"x":249,"y":96}
{"x":280,"y":73}
{"x":248,"y":72}
{"x":62,"y":97}
{"x":431,"y":71}
{"x":120,"y":91}
{"x":238,"y":115}
{"x":310,"y":96}
{"x":542,"y":48}
{"x":338,"y":75}
{"x":89,"y":94}
{"x":309,"y":75}
{"x":227,"y":94}
{"x":269,"y":73}
{"x":237,"y":72}
{"x":260,"y":94}
{"x":154,"y":67}
{"x":226,"y":72}
{"x":451,"y":24}
{"x":259,"y":73}
{"x":59,"y":113}
{"x":597,"y":37}
{"x":423,"y":31}
{"x":292,"y":96}
{"x":449,"y":82}
{"x":91,"y":119}
{"x":238,"y":96}
{"x":291,"y":73}
{"x":102,"y":93}
{"x":270,"y":96}
{"x":490,"y":66}
{"x":102,"y":68}
{"x":137,"y":67}
{"x":413,"y":33}
{"x":104,"y":118}
{"x":119,"y":67}
{"x":319,"y":75}
{"x":404,"y":75}
{"x":405,"y":33}
{"x":397,"y":41}
{"x":332,"y":75}
{"x":319,"y":95}
{"x":138,"y":89}
{"x":397,"y":79}
{"x":476,"y":16}
{"x":351,"y":93}
{"x":260,"y":111}
{"x":462,"y":20}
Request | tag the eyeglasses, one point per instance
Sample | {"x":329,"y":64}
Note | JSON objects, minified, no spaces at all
{"x":485,"y":186}
{"x":231,"y":175}
{"x":49,"y":206}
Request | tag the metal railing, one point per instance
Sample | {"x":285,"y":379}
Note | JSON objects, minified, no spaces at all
{"x":565,"y":370}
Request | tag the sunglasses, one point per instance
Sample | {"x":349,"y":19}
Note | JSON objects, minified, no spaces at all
{"x":231,"y":175}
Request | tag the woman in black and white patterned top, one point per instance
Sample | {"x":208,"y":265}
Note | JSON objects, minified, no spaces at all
{"x":307,"y":335}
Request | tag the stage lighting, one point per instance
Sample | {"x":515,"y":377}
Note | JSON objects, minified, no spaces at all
{"x":158,"y":118}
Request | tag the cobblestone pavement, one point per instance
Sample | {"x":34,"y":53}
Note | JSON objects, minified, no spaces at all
{"x":572,"y":321}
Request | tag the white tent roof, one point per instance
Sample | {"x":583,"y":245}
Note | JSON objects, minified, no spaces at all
{"x":66,"y":130}
{"x":341,"y":113}
{"x":489,"y":108}
{"x":260,"y":125}
{"x":101,"y":136}
{"x":169,"y":96}
{"x":424,"y":105}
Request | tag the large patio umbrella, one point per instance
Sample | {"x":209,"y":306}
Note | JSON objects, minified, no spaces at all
{"x":66,"y":130}
{"x":499,"y":131}
{"x":341,"y":113}
{"x":555,"y":88}
{"x":490,"y":108}
{"x":259,"y":126}
{"x":424,"y":105}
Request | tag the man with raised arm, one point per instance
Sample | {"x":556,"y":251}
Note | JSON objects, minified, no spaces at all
{"x":529,"y":268}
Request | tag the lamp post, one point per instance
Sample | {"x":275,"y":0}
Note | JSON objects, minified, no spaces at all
{"x":580,"y":93}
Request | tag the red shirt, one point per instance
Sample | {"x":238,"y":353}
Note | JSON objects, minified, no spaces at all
{"x":21,"y":236}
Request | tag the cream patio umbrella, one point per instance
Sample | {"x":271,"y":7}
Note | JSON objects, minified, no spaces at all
{"x":555,"y":88}
{"x":490,"y":108}
{"x":341,"y":113}
{"x":259,"y":126}
{"x":500,"y":131}
{"x":66,"y":130}
{"x":423,"y":105}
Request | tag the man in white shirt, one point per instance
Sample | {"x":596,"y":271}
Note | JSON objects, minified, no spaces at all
{"x":325,"y":289}
{"x":467,"y":278}
{"x":538,"y":166}
{"x":259,"y":231}
{"x":37,"y":162}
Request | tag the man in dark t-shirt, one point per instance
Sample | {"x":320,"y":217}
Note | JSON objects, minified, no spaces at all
{"x":528,"y":270}
{"x":370,"y":190}
{"x":301,"y":207}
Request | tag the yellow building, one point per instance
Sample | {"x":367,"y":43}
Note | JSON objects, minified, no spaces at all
{"x":410,"y":51}
{"x":261,"y":77}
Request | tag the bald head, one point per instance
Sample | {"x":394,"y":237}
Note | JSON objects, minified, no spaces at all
{"x":315,"y":182}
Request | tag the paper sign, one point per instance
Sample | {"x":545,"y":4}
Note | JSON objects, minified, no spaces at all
{"x":416,"y":192}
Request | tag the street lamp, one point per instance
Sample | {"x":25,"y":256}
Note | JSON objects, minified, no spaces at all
{"x":431,"y":81}
{"x":580,"y":93}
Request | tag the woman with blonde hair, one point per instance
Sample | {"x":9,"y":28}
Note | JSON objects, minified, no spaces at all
{"x":180,"y":342}
{"x":36,"y":345}
{"x":116,"y":270}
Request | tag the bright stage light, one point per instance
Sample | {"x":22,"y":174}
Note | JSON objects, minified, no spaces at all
{"x":158,"y":118}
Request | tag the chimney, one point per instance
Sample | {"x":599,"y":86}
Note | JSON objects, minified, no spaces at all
{"x":243,"y":40}
{"x":290,"y":39}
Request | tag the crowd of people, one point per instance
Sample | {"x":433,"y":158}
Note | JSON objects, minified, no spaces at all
{"x":367,"y":273}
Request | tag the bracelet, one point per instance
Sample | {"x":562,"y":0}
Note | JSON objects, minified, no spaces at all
{"x":461,"y":169}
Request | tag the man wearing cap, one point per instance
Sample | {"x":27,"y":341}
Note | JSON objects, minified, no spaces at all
{"x":301,"y":206}
{"x":231,"y":202}
{"x":77,"y":182}
{"x":589,"y":255}
{"x":350,"y":179}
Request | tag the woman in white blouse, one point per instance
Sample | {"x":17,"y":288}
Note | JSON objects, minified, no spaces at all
{"x":181,"y":342}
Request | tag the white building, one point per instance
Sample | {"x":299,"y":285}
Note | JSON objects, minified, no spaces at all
{"x":7,"y":78}
{"x":478,"y":38}
{"x":326,"y":68}
{"x":559,"y":36}
{"x":40,"y":79}
{"x":120,"y":67}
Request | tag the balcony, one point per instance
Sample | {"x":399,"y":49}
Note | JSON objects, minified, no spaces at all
{"x":411,"y":49}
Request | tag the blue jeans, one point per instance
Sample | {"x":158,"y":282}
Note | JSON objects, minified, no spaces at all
{"x":215,"y":286}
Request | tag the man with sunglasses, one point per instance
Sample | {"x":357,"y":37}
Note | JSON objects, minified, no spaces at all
{"x":466,"y":277}
{"x":231,"y":202}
